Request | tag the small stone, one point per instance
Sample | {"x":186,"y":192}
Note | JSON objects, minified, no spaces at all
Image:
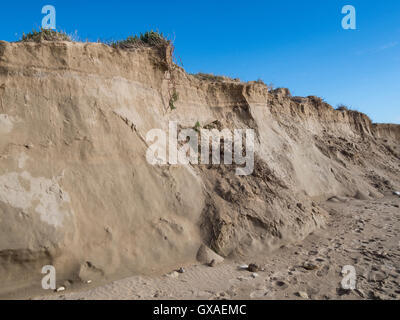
{"x":60,"y":289}
{"x":206,"y":255}
{"x":281,"y":284}
{"x":303,"y":294}
{"x":254,"y":275}
{"x":212,"y":263}
{"x":253,"y":267}
{"x":181,"y":270}
{"x":89,"y":281}
{"x":309,"y":266}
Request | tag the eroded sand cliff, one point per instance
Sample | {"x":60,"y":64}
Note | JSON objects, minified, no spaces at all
{"x":77,"y":192}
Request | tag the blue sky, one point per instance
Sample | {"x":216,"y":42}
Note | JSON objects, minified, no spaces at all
{"x":295,"y":44}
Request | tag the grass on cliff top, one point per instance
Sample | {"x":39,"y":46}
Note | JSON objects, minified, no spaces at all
{"x":213,"y":78}
{"x":147,"y":39}
{"x":342,"y":107}
{"x":45,"y":35}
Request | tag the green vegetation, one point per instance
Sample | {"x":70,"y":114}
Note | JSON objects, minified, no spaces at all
{"x":174,"y":98}
{"x":147,"y":39}
{"x":45,"y":35}
{"x":197,"y":126}
{"x":342,"y":107}
{"x":165,"y":48}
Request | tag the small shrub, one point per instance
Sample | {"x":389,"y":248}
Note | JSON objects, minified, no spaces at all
{"x":174,"y":98}
{"x":45,"y":35}
{"x":342,"y":107}
{"x":165,"y":59}
{"x":147,"y":39}
{"x":197,"y":126}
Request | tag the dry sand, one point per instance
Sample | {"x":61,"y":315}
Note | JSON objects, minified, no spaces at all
{"x":364,"y":234}
{"x":77,"y":191}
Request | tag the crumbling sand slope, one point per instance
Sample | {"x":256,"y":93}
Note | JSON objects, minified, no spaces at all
{"x":77,"y":192}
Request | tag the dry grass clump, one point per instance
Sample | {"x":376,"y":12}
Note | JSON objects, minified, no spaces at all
{"x":342,"y":107}
{"x":45,"y":35}
{"x":213,"y":78}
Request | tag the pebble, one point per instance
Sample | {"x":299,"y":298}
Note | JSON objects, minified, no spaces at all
{"x":181,"y":270}
{"x":213,"y":263}
{"x":309,"y":266}
{"x":253,"y":267}
{"x":303,"y":294}
{"x":282,"y":284}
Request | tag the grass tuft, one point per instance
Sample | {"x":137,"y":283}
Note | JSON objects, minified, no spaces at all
{"x":45,"y":35}
{"x":213,"y":78}
{"x":147,"y":39}
{"x":342,"y":107}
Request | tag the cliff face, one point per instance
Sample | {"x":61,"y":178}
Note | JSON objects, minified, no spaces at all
{"x":387,"y":131}
{"x":77,"y":192}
